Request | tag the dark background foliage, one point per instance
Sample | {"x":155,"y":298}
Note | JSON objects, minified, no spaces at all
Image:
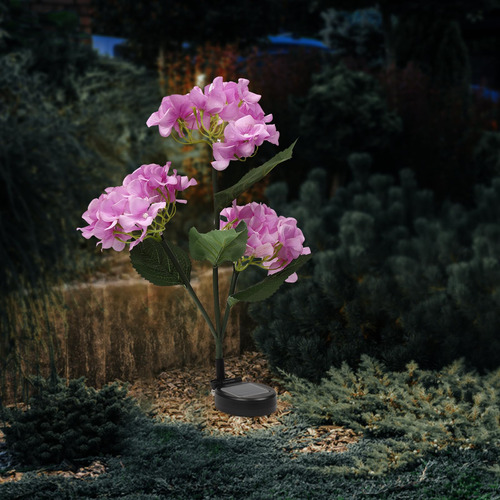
{"x":395,"y":85}
{"x":395,"y":275}
{"x":170,"y":24}
{"x":63,"y":137}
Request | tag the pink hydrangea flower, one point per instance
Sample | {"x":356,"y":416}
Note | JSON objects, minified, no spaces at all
{"x":153,"y":182}
{"x":140,"y":206}
{"x":241,"y":137}
{"x":227,"y":114}
{"x":172,"y":109}
{"x":273,"y":241}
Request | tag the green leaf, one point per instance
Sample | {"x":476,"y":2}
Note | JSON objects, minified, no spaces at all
{"x":225,"y":197}
{"x":152,"y":262}
{"x":268,"y":286}
{"x":218,"y":246}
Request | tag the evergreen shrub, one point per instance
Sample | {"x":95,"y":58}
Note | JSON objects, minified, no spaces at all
{"x":404,"y":416}
{"x":357,"y":35}
{"x":393,"y":276}
{"x":487,"y":154}
{"x":343,"y":112}
{"x":68,"y":123}
{"x":180,"y":461}
{"x":439,"y":147}
{"x":436,"y":45}
{"x":69,"y":423}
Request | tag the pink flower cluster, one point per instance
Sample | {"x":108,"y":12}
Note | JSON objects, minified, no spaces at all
{"x":142,"y":204}
{"x":226,"y":113}
{"x":274,"y":240}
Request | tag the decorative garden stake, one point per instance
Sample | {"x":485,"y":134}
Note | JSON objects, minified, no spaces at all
{"x":227,"y":117}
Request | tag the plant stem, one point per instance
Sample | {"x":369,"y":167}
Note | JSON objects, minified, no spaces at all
{"x":188,"y":286}
{"x":215,"y":286}
{"x":215,"y":277}
{"x":232,"y":287}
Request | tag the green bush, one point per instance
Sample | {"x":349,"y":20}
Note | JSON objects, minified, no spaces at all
{"x":71,"y":123}
{"x":487,"y":155}
{"x":343,"y":112}
{"x":404,"y":416}
{"x":435,"y":44}
{"x":43,"y":171}
{"x":357,"y":35}
{"x":56,"y":155}
{"x":69,"y":422}
{"x":392,"y":276}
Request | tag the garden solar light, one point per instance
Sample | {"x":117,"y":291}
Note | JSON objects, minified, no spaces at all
{"x":227,"y":118}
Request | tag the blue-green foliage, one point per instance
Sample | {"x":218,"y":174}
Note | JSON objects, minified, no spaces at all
{"x":70,"y":124}
{"x":355,"y":34}
{"x":392,"y":276}
{"x":487,"y":154}
{"x":404,"y":416}
{"x":69,"y":422}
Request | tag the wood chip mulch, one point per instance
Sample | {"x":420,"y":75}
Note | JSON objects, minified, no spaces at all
{"x":94,"y":469}
{"x":184,"y":395}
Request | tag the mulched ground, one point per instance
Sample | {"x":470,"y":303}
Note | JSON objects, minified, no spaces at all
{"x":183,"y":395}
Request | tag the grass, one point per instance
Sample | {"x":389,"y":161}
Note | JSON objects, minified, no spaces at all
{"x":179,"y":461}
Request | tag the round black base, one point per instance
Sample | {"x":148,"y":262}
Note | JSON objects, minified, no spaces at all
{"x":246,"y":399}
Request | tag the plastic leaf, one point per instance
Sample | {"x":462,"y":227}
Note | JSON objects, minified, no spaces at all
{"x":218,"y":246}
{"x":269,"y":285}
{"x":153,"y":264}
{"x":225,"y":197}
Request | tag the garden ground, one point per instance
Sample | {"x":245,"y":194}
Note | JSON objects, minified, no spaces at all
{"x":190,"y":450}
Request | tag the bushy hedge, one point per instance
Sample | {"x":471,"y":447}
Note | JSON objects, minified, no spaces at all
{"x":69,"y":423}
{"x":393,"y":276}
{"x":344,"y":112}
{"x":355,"y":35}
{"x":71,"y":123}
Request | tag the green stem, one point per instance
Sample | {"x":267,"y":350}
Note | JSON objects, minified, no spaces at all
{"x":215,"y":277}
{"x":232,"y":288}
{"x":188,"y":286}
{"x":215,"y":287}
